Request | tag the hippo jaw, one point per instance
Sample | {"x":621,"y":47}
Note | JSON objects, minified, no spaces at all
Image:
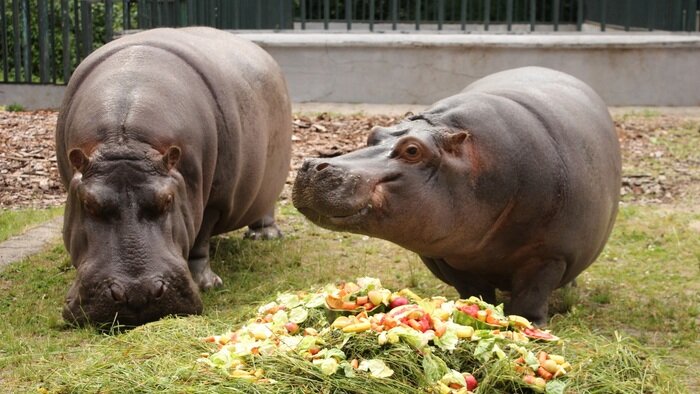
{"x":128,"y":229}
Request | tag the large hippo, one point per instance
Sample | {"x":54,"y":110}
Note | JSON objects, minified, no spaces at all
{"x":512,"y":184}
{"x":165,"y":138}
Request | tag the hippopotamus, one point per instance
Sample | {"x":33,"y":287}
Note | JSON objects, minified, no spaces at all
{"x":165,"y":138}
{"x":511,"y":184}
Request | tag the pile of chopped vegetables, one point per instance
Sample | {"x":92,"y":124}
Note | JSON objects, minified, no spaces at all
{"x":349,"y":329}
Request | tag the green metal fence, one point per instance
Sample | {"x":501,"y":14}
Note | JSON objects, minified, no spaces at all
{"x":42,"y":41}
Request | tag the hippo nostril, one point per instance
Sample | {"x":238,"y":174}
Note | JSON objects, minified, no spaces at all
{"x":117,"y":292}
{"x":322,"y":166}
{"x":159,"y":289}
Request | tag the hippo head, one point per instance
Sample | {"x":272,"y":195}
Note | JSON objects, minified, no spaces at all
{"x":127,"y":228}
{"x":402,"y":187}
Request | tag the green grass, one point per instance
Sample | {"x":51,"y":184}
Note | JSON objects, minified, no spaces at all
{"x":635,"y":311}
{"x":13,"y":222}
{"x":13,"y":107}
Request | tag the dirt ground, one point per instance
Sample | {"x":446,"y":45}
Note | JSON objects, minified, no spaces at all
{"x":29,"y":176}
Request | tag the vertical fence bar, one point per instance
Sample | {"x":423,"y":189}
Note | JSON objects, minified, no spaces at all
{"x":154,"y":20}
{"x":603,"y":14}
{"x":418,"y":7}
{"x":3,"y":26}
{"x":258,"y":15}
{"x":651,"y":5}
{"x":441,"y":13}
{"x":86,"y":16}
{"x":579,"y":15}
{"x":191,"y":13}
{"x":555,"y":15}
{"x":487,"y":14}
{"x":394,"y":12}
{"x":280,"y":4}
{"x":628,"y":14}
{"x":126,"y":15}
{"x":26,"y":41}
{"x":109,"y":20}
{"x":52,"y":41}
{"x":303,"y":14}
{"x":161,"y":13}
{"x":348,"y":14}
{"x":237,"y":19}
{"x":43,"y":41}
{"x":533,"y":14}
{"x":15,"y":40}
{"x":326,"y":13}
{"x":463,"y":14}
{"x":76,"y":31}
{"x":65,"y":39}
{"x":692,"y":16}
{"x":509,"y":14}
{"x":675,"y":14}
{"x":371,"y":15}
{"x":141,"y":14}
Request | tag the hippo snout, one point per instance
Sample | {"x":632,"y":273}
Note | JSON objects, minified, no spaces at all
{"x":328,"y":189}
{"x":130,"y":302}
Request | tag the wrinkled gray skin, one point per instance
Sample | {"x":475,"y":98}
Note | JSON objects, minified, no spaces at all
{"x":165,"y":138}
{"x":512,"y":184}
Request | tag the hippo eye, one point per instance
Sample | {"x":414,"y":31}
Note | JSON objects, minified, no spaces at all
{"x":411,"y":152}
{"x":96,"y":209}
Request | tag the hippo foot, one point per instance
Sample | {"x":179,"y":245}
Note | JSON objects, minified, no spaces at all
{"x":206,"y":278}
{"x":266,"y":232}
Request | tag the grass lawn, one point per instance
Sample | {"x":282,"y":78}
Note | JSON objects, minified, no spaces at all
{"x":13,"y":222}
{"x":644,"y":287}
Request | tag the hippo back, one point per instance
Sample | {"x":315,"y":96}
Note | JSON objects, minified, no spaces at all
{"x":217,"y":80}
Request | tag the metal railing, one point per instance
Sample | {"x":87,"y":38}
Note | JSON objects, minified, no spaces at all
{"x":42,"y":41}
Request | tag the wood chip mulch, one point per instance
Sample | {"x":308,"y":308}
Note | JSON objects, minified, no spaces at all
{"x":29,"y":176}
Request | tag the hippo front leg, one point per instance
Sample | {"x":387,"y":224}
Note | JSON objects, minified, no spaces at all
{"x":264,"y":228}
{"x":467,"y":285}
{"x":198,"y":261}
{"x":531,"y":287}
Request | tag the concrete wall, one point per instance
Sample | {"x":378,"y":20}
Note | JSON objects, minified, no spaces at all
{"x":420,"y":68}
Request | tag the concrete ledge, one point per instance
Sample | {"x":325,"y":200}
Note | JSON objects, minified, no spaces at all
{"x":625,"y":69}
{"x":32,"y":96}
{"x":639,"y":69}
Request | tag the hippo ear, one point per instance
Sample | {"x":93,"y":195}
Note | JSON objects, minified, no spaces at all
{"x":171,"y":157}
{"x":377,"y":135}
{"x":78,"y":159}
{"x":454,"y":141}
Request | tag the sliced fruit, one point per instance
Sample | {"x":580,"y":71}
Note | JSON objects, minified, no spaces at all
{"x":534,"y":333}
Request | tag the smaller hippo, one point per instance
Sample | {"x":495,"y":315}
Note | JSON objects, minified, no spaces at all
{"x":511,"y":184}
{"x":165,"y":138}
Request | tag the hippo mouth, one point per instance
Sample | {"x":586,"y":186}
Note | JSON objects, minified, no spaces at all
{"x":336,"y":220}
{"x":130,"y":303}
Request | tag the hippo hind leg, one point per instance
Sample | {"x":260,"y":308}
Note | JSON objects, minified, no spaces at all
{"x":198,"y":261}
{"x":264,"y":228}
{"x":467,"y":285}
{"x":531,"y":287}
